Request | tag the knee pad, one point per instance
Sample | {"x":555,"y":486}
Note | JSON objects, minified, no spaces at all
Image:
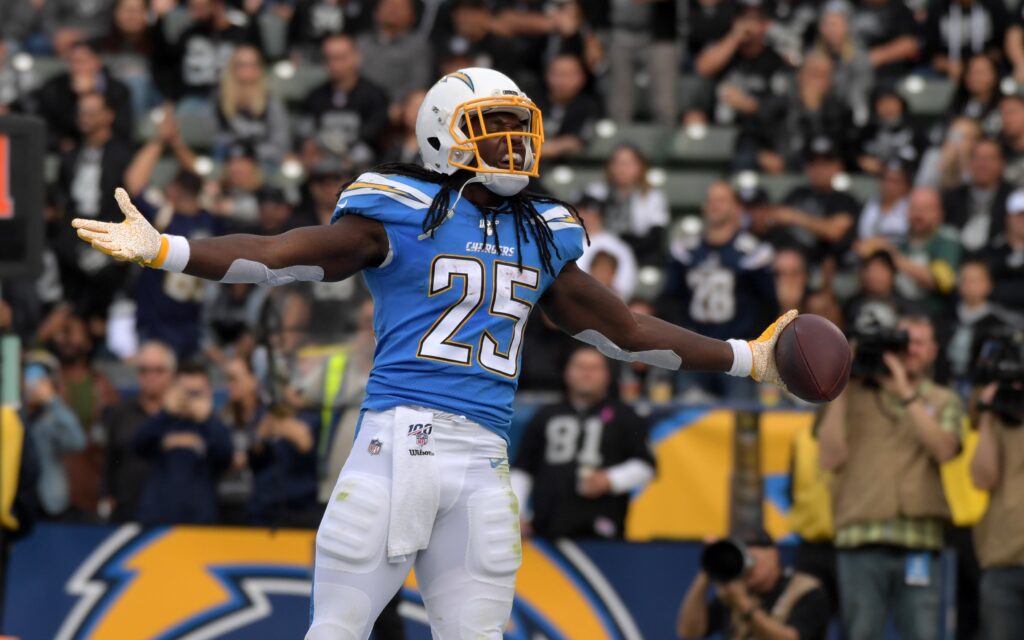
{"x":354,"y":529}
{"x":340,"y":613}
{"x":495,"y":551}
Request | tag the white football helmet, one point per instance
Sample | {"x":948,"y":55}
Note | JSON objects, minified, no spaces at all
{"x":450,"y":123}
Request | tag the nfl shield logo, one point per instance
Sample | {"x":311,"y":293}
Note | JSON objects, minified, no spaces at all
{"x":374,"y":447}
{"x":421,"y":438}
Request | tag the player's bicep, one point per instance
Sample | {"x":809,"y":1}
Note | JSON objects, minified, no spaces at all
{"x":341,"y":249}
{"x":577,"y":302}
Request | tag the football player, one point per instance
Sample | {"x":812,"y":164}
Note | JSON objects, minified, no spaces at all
{"x":456,"y":255}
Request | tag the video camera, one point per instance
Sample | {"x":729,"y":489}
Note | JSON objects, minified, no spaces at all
{"x":871,"y":345}
{"x":726,"y":560}
{"x":1001,"y":360}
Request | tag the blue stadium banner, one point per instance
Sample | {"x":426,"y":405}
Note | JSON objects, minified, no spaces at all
{"x":71,"y":582}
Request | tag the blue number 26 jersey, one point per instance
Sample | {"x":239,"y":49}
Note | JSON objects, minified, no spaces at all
{"x":450,"y":311}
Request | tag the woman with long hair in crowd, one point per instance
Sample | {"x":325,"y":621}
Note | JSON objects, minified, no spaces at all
{"x":246,"y":110}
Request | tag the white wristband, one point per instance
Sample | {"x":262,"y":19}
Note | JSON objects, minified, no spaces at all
{"x":178,"y":252}
{"x":742,"y":358}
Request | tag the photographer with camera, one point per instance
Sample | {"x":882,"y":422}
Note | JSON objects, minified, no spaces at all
{"x":998,"y":467}
{"x":885,"y":438}
{"x":755,"y":596}
{"x":188,"y":448}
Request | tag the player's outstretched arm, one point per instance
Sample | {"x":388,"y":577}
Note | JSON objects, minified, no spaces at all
{"x":590,"y":312}
{"x":331,"y":252}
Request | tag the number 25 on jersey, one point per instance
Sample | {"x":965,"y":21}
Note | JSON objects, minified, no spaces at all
{"x":439,"y":343}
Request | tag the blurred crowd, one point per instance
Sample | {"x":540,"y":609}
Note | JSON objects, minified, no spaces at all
{"x":157,"y":397}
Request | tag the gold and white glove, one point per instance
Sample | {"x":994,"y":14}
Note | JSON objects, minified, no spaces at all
{"x":763,"y":350}
{"x":134,"y":239}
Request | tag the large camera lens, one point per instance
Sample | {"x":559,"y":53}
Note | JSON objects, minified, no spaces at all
{"x":725,"y":560}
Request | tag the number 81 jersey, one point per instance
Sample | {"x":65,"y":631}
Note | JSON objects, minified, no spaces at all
{"x":450,"y":310}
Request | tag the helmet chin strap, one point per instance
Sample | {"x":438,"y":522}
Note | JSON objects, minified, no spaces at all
{"x":451,"y":209}
{"x":502,"y":184}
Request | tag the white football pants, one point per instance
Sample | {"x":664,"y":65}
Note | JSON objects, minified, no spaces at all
{"x":466,"y":575}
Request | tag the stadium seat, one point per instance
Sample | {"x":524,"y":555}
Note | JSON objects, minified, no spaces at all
{"x":685,"y":189}
{"x":567,"y":182}
{"x":929,"y":97}
{"x":292,"y":83}
{"x":44,"y":68}
{"x":51,"y":168}
{"x":274,"y":32}
{"x":650,"y":139}
{"x":779,"y":186}
{"x":693,"y":91}
{"x":863,"y":187}
{"x":713,"y":148}
{"x":198,"y":132}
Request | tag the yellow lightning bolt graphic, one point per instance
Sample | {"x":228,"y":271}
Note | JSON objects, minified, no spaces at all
{"x":172,"y":581}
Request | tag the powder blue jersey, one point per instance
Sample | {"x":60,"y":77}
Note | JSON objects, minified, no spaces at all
{"x":450,"y":311}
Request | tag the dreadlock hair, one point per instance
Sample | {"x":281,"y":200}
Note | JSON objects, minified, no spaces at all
{"x":528,"y":220}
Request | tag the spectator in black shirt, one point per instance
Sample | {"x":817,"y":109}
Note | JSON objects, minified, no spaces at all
{"x":56,"y":100}
{"x":188,"y":448}
{"x":816,"y":216}
{"x":570,"y":110}
{"x":888,"y":29}
{"x":191,"y":66}
{"x":768,"y":601}
{"x":889,"y":135}
{"x":960,"y":29}
{"x":124,"y":472}
{"x":978,"y":94}
{"x":463,"y":30}
{"x":1006,"y":258}
{"x":978,"y":208}
{"x":877,"y":304}
{"x":579,"y":459}
{"x":710,"y":21}
{"x":975,"y":315}
{"x":95,"y":165}
{"x":86,"y":181}
{"x":395,"y":55}
{"x":1011,"y":115}
{"x":747,"y":73}
{"x":348,"y":110}
{"x":315,"y":20}
{"x":812,"y":109}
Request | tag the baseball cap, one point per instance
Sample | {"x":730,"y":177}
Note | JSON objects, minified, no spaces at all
{"x":752,"y":196}
{"x":1015,"y":203}
{"x":275,"y":195}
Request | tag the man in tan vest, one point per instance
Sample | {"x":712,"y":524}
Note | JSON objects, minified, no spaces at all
{"x":768,"y":603}
{"x":885,"y":438}
{"x":998,"y":467}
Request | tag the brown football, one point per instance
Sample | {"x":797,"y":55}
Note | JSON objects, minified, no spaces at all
{"x":813,"y":358}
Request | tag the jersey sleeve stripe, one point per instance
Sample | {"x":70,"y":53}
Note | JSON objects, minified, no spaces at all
{"x":383,"y":181}
{"x":557,"y":226}
{"x":371,"y":190}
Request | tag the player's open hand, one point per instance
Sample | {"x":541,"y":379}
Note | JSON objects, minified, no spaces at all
{"x":134,"y":239}
{"x":763,"y":350}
